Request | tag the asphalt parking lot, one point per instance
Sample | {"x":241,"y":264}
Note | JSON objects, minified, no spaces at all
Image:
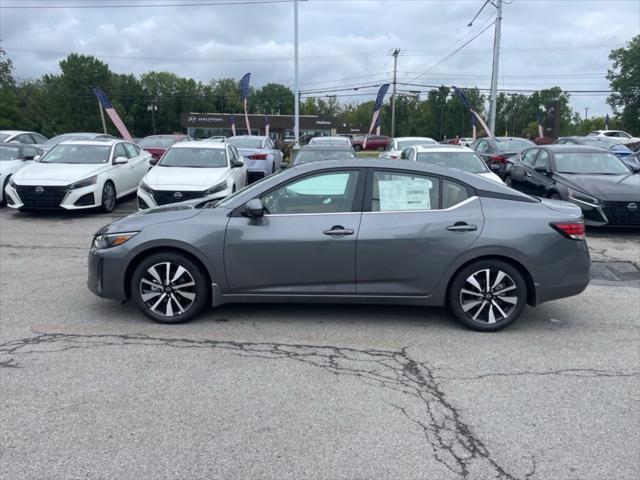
{"x":91,"y":388}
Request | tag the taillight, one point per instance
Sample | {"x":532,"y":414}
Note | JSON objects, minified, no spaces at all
{"x":572,"y":230}
{"x":258,"y":156}
{"x":498,"y":159}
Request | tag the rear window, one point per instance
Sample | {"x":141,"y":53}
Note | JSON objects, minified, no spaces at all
{"x":157,"y":142}
{"x":245,"y":142}
{"x":513,"y":144}
{"x":307,"y":156}
{"x":466,"y":161}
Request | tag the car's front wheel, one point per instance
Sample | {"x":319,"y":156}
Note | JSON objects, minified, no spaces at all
{"x":357,"y":148}
{"x":508,"y":181}
{"x":169,"y":288}
{"x":3,"y":193}
{"x":488,"y":295}
{"x":108,"y":197}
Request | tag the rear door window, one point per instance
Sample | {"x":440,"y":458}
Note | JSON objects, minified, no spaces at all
{"x":394,"y":191}
{"x":529,"y":156}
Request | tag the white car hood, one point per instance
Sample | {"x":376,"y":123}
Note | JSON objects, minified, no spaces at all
{"x":184,"y":178}
{"x":37,"y":173}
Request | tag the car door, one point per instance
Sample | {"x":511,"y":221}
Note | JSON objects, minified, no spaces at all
{"x":138,"y":161}
{"x":237,"y":173}
{"x":413,"y":228}
{"x":539,"y":181}
{"x":521,"y":172}
{"x":121,"y":174}
{"x":306,"y":241}
{"x":277,"y":155}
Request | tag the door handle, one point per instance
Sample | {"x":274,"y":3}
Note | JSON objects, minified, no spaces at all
{"x":338,"y":231}
{"x":461,"y":227}
{"x":527,"y":174}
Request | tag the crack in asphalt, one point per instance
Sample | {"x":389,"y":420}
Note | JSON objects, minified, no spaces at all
{"x":452,"y":441}
{"x":570,"y":372}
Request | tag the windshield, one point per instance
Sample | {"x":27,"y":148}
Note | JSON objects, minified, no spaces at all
{"x":590,"y":163}
{"x":245,"y":142}
{"x":157,"y":142}
{"x":62,"y":138}
{"x":513,"y":144}
{"x":248,"y":188}
{"x":402,"y":144}
{"x":467,"y":161}
{"x":306,"y":156}
{"x":84,"y":154}
{"x":604,"y":142}
{"x":9,"y":153}
{"x":194,"y":158}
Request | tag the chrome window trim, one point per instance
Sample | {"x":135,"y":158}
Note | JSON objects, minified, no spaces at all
{"x":309,"y":214}
{"x":453,"y":207}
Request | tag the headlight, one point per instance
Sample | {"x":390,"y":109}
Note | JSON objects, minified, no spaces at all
{"x":582,"y":197}
{"x":100,"y":242}
{"x":218,"y":188}
{"x":84,"y":183}
{"x":146,"y":188}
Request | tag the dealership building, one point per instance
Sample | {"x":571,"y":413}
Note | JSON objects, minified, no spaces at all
{"x":205,"y":125}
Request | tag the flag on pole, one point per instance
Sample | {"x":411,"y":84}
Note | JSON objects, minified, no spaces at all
{"x":606,"y":122}
{"x":474,"y":130}
{"x":232,"y":119}
{"x":540,"y":128}
{"x":378,"y":125}
{"x":266,"y":125}
{"x":465,"y":102}
{"x":377,"y":106}
{"x":244,"y":93}
{"x":113,"y":115}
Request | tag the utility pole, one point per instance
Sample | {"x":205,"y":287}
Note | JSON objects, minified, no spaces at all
{"x":153,"y":107}
{"x":395,"y":53}
{"x":296,"y":92}
{"x":586,"y":112}
{"x":493,"y":99}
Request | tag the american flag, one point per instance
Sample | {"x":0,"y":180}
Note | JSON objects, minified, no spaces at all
{"x":377,"y":106}
{"x":378,"y":125}
{"x":113,"y":115}
{"x":233,"y":125}
{"x":266,"y":125}
{"x":244,"y":93}
{"x":466,"y":104}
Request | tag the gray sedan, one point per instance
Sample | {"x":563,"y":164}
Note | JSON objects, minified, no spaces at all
{"x":363,"y":231}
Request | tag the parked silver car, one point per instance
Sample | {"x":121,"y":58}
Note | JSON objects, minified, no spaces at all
{"x":363,"y":231}
{"x":260,"y":155}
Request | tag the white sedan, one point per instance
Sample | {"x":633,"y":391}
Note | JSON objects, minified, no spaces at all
{"x":452,"y":156}
{"x":13,"y":157}
{"x":623,"y":137}
{"x":190,"y":170}
{"x":399,"y":144}
{"x":79,"y":174}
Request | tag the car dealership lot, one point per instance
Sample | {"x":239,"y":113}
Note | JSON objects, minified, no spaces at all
{"x":92,"y":388}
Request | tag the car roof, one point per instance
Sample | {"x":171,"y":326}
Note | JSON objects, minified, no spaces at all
{"x":13,"y":132}
{"x":92,"y":141}
{"x":443,"y":148}
{"x":414,"y":138}
{"x":330,"y":137}
{"x":168,"y":135}
{"x":571,"y":148}
{"x":261,"y":137}
{"x":197,"y":144}
{"x":332,"y":147}
{"x":502,"y":139}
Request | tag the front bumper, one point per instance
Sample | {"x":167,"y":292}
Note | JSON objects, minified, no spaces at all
{"x":106,"y":273}
{"x":613,"y":214}
{"x":147,"y":200}
{"x":52,"y":197}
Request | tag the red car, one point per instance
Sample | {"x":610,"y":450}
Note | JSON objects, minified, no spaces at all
{"x":374,"y":142}
{"x":156,"y":145}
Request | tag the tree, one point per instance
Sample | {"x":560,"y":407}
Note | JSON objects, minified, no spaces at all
{"x":624,"y":79}
{"x":273,"y":99}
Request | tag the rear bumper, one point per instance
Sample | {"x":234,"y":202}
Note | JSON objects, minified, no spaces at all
{"x":565,"y":277}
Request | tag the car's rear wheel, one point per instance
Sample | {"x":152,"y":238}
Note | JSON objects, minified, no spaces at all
{"x":488,"y":295}
{"x":555,"y":196}
{"x":4,"y":194}
{"x":169,"y":288}
{"x":108,"y":197}
{"x":357,"y":148}
{"x":508,"y":181}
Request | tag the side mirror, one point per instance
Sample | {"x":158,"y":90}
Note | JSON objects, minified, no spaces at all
{"x":254,"y":208}
{"x":153,"y":161}
{"x":120,"y":160}
{"x":635,"y":168}
{"x":541,"y":169}
{"x":237,"y":164}
{"x":35,"y":159}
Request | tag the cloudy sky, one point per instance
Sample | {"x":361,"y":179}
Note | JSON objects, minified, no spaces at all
{"x":343,"y":43}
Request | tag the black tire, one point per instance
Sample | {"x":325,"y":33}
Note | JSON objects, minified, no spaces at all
{"x":108,"y":196}
{"x":489,"y":306}
{"x":508,"y":181}
{"x":381,"y":149}
{"x":357,"y":148}
{"x":4,"y":194}
{"x":188,"y":301}
{"x":555,"y":196}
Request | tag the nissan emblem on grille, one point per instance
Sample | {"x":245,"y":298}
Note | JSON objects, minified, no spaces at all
{"x":177,"y":195}
{"x":632,"y":207}
{"x":39,"y":190}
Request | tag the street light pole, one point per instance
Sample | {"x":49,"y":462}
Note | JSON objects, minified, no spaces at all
{"x":393,"y":94}
{"x":296,"y":92}
{"x":493,"y":99}
{"x":586,"y":112}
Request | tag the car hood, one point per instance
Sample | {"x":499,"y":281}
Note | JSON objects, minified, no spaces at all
{"x":179,"y":178}
{"x":57,"y":173}
{"x":153,"y":216}
{"x":604,"y":187}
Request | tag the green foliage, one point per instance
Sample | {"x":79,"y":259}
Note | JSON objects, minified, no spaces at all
{"x":624,"y":79}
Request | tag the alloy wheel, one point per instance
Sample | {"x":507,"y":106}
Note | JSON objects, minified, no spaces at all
{"x":488,"y":296}
{"x":108,"y":197}
{"x":167,"y":289}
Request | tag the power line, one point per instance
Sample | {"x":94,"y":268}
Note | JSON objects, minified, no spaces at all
{"x":144,"y":5}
